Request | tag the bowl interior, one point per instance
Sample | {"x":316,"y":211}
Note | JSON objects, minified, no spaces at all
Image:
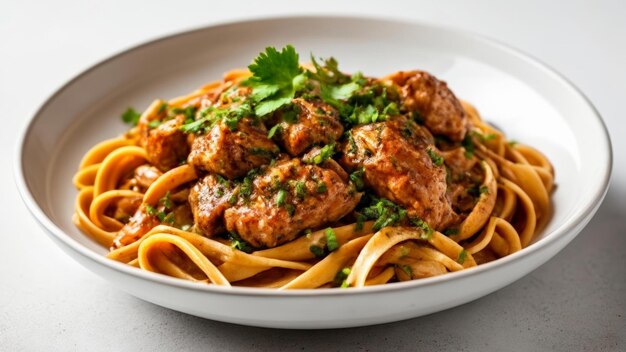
{"x":528,"y":102}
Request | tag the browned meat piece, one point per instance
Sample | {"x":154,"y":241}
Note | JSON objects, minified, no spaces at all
{"x":399,"y":162}
{"x":209,"y":198}
{"x":435,"y":103}
{"x":145,"y":175}
{"x":125,"y":207}
{"x":288,"y":198}
{"x":139,"y":225}
{"x":233,"y":153}
{"x":167,"y":145}
{"x":461,"y":177}
{"x":317,"y":123}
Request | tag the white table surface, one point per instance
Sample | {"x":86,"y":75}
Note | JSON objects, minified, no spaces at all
{"x":577,"y":301}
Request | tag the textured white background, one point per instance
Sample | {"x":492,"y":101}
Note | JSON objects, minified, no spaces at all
{"x":577,"y":301}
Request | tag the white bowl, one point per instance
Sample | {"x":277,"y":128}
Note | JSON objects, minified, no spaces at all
{"x":530,"y":102}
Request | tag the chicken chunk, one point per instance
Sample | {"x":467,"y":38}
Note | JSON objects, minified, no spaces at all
{"x":232,"y":153}
{"x":315,"y":123}
{"x":435,"y":103}
{"x":166,"y":145}
{"x":401,"y":163}
{"x":138,"y":225}
{"x":209,"y":198}
{"x":288,"y":198}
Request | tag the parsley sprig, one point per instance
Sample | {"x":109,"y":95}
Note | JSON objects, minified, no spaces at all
{"x":276,"y":77}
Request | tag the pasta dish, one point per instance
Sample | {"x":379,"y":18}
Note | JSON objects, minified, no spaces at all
{"x":292,"y":176}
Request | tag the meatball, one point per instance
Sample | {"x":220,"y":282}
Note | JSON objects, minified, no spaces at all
{"x":315,"y":123}
{"x":166,"y":145}
{"x":286,"y":199}
{"x":232,"y":153}
{"x":209,"y":198}
{"x":401,"y":163}
{"x":435,"y":103}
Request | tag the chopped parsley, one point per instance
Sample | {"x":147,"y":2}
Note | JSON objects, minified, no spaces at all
{"x":151,"y":210}
{"x":450,"y":232}
{"x":321,"y":187}
{"x":301,"y":190}
{"x":353,"y":147}
{"x":163,"y":216}
{"x":360,"y":221}
{"x":154,"y":124}
{"x":194,"y":127}
{"x":237,"y":243}
{"x":262,"y":152}
{"x":162,"y":108}
{"x":166,"y":218}
{"x":365,"y":115}
{"x":317,"y":250}
{"x":357,"y":179}
{"x":476,"y":191}
{"x":462,"y":257}
{"x":189,"y":112}
{"x":468,"y":144}
{"x":341,"y":276}
{"x":290,"y":209}
{"x":209,"y":116}
{"x":331,"y":239}
{"x":245,"y":189}
{"x":276,"y":77}
{"x":487,"y":137}
{"x":276,"y":129}
{"x":166,"y":201}
{"x":281,"y":197}
{"x":131,"y":117}
{"x":385,"y":212}
{"x":427,"y":231}
{"x":436,"y":158}
{"x":325,"y":153}
{"x":407,"y":270}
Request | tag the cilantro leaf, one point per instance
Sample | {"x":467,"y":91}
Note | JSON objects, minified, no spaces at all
{"x":276,"y":76}
{"x":342,"y":92}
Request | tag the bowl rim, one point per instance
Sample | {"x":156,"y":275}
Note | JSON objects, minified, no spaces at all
{"x":579,"y":216}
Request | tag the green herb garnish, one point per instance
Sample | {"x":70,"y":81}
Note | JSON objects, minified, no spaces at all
{"x":321,"y":187}
{"x":276,"y":129}
{"x":237,"y":243}
{"x":341,"y":276}
{"x":462,"y":257}
{"x":357,"y":179}
{"x":468,"y":144}
{"x":385,"y":212}
{"x":477,"y":190}
{"x":324,"y":154}
{"x":301,"y":190}
{"x":407,"y":270}
{"x":276,"y":77}
{"x":436,"y":158}
{"x":281,"y":197}
{"x":317,"y":250}
{"x":331,"y":239}
{"x":450,"y":232}
{"x":131,"y":117}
